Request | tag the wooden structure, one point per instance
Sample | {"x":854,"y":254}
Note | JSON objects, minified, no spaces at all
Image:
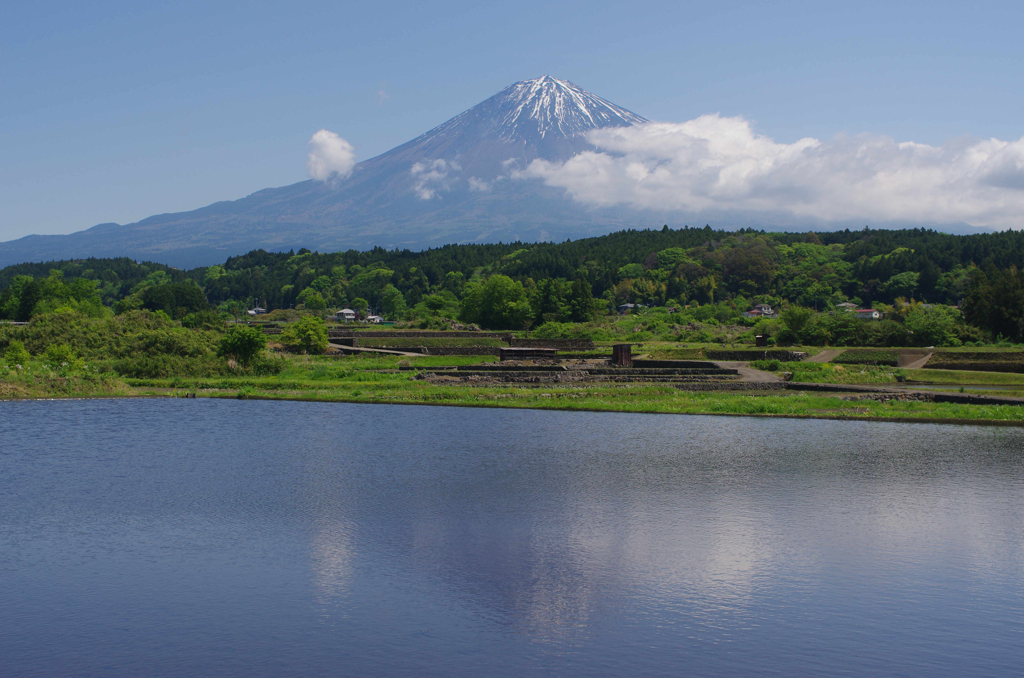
{"x":622,"y":355}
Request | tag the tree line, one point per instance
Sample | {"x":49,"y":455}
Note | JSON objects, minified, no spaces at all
{"x":539,"y":283}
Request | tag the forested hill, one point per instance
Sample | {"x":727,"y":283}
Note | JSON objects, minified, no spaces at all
{"x":683,"y":265}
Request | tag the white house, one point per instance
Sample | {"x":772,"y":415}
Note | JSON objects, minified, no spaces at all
{"x":375,"y":319}
{"x":257,"y":311}
{"x":345,"y":315}
{"x":760,"y":311}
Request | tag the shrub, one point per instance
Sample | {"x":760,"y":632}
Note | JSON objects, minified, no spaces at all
{"x":63,"y":360}
{"x":766,"y":365}
{"x":158,"y":366}
{"x":16,"y":353}
{"x":242,"y":343}
{"x":309,"y":335}
{"x":204,"y":320}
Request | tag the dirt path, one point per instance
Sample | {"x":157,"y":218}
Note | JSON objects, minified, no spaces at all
{"x":382,"y":351}
{"x":748,"y":373}
{"x":826,"y":356}
{"x":913,"y":361}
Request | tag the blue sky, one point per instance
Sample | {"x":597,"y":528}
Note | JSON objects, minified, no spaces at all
{"x":116,"y":111}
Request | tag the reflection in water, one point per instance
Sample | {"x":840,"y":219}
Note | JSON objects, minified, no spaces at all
{"x":332,"y":559}
{"x":454,"y":542}
{"x":331,"y":542}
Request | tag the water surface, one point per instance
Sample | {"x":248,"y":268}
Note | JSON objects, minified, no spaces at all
{"x":251,"y":538}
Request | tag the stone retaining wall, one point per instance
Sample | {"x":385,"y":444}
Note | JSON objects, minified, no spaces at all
{"x":976,"y":366}
{"x":770,"y":354}
{"x":672,"y":363}
{"x":376,"y":334}
{"x":459,"y":350}
{"x":734,"y":386}
{"x":561,"y":344}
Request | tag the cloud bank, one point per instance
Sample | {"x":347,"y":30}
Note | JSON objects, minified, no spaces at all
{"x":715,"y":163}
{"x":329,"y":156}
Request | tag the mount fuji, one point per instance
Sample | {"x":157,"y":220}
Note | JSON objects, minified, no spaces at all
{"x":453,"y":184}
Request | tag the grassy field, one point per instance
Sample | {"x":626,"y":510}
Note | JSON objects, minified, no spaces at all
{"x":833,"y":373}
{"x":868,"y":356}
{"x":400,"y":389}
{"x":377,"y":379}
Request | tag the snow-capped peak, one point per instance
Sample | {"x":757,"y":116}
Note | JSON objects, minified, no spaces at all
{"x":545,"y":104}
{"x":541,"y":118}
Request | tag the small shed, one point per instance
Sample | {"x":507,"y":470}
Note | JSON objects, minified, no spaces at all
{"x":622,"y":355}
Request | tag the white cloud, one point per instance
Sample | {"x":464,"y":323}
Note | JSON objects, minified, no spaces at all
{"x":330,"y":156}
{"x":477,"y":184}
{"x":431,"y":176}
{"x":714,"y":163}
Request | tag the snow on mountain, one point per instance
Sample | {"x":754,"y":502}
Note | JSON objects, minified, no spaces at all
{"x":528,"y":110}
{"x":539,"y":118}
{"x":450,"y":184}
{"x":544,"y":104}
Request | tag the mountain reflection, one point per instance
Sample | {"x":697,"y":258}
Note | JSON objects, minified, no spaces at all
{"x":544,"y":534}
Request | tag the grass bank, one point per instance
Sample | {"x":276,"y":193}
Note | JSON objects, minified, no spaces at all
{"x":34,"y":380}
{"x":378,"y":379}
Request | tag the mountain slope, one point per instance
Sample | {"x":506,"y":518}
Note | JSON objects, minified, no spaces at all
{"x":451,"y":184}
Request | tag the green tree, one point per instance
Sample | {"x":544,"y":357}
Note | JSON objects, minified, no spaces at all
{"x":312,"y":299}
{"x":933,"y":326}
{"x":175,"y":299}
{"x":548,"y":301}
{"x":901,"y":285}
{"x":243,"y":343}
{"x":499,"y":303}
{"x":631,"y":271}
{"x":435,"y":303}
{"x":308,"y":335}
{"x":795,"y":318}
{"x":996,"y":303}
{"x":392,"y":301}
{"x":454,"y":281}
{"x":581,"y":302}
{"x":31,"y":294}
